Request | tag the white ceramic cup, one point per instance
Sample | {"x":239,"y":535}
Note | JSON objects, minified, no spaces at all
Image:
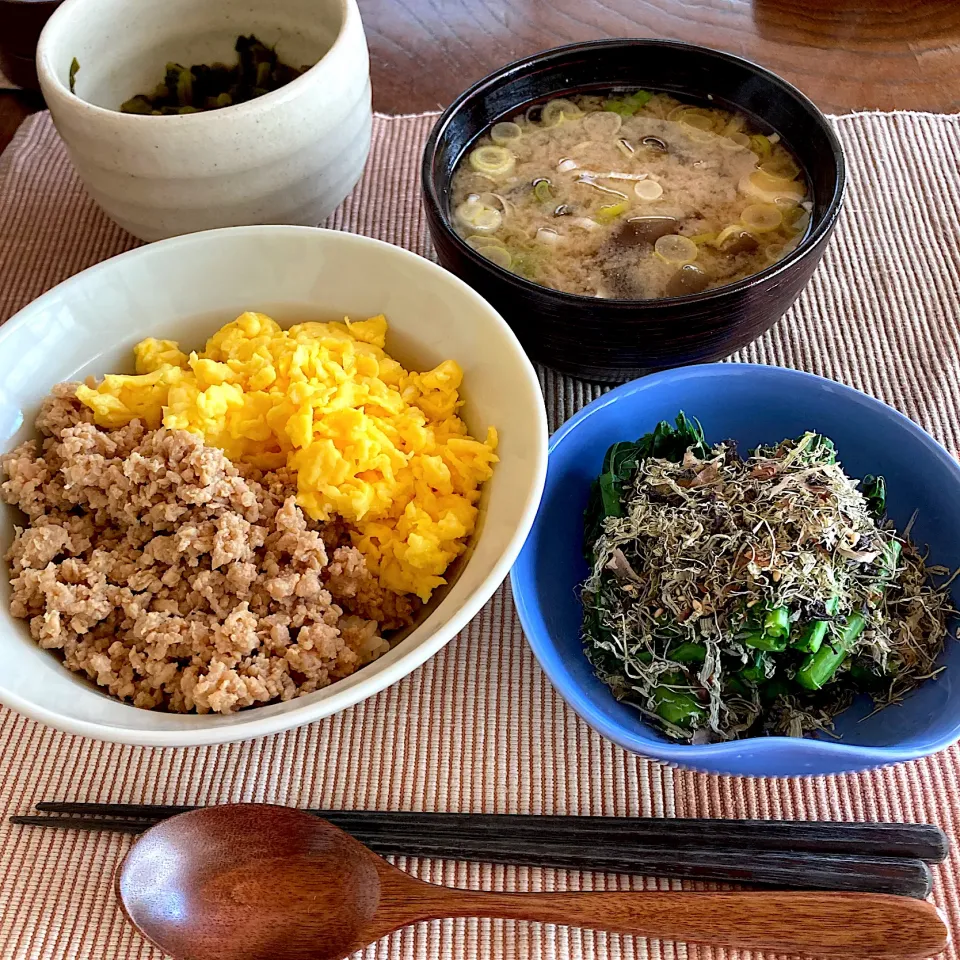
{"x":288,"y":157}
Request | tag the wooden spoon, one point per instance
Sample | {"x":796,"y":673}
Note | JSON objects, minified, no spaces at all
{"x":260,"y":882}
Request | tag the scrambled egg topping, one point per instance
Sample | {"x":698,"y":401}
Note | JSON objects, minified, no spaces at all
{"x":370,"y":442}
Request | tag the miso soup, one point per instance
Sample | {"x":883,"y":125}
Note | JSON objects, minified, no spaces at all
{"x":631,"y":196}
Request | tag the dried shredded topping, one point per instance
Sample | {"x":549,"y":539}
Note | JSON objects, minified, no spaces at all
{"x":729,"y":597}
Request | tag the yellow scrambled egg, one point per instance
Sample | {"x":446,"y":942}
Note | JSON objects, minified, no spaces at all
{"x":379,"y":446}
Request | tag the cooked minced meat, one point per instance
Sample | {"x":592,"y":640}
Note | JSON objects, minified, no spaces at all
{"x":177,"y":581}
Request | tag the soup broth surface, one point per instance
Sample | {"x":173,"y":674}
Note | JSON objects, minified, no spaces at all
{"x":631,"y":196}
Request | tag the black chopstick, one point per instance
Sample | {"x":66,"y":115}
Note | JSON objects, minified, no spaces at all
{"x":921,"y":841}
{"x":785,"y":869}
{"x":868,"y":857}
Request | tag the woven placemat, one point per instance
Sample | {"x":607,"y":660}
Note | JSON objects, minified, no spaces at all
{"x":478,"y":728}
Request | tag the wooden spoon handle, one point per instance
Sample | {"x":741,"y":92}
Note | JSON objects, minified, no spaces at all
{"x":845,"y":925}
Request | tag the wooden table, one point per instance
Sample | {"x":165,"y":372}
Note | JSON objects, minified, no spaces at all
{"x":846,"y":54}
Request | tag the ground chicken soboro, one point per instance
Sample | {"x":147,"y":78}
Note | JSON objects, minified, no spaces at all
{"x":174,"y":579}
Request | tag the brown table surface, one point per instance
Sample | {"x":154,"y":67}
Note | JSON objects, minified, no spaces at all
{"x":846,"y":54}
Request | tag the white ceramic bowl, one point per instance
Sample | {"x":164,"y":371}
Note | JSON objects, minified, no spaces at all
{"x":184,"y":289}
{"x":290,"y":156}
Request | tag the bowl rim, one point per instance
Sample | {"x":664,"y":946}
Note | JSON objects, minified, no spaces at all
{"x":46,"y":71}
{"x":445,"y":630}
{"x":704,"y":756}
{"x":432,"y":190}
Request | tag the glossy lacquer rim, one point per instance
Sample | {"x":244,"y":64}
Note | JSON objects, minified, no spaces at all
{"x":433,"y":191}
{"x":715,"y":757}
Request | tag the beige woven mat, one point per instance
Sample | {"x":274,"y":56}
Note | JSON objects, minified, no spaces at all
{"x":479,"y":727}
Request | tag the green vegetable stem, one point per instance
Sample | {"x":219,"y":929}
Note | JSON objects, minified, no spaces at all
{"x":819,"y":668}
{"x":822,"y":444}
{"x":755,"y":672}
{"x":777,"y":622}
{"x":812,"y":635}
{"x":688,"y":653}
{"x":677,"y":708}
{"x":874,"y":490}
{"x":773,"y":634}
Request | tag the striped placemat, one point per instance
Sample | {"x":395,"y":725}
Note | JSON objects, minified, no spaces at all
{"x":478,"y":728}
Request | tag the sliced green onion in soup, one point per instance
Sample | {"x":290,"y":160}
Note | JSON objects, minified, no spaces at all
{"x":801,"y":223}
{"x":638,"y":99}
{"x":725,"y":143}
{"x":659,"y":105}
{"x":556,"y":111}
{"x":791,"y":213}
{"x":740,"y":139}
{"x":479,"y":216}
{"x":505,"y":133}
{"x":761,"y":217}
{"x":492,"y":160}
{"x":497,"y":202}
{"x":773,"y":251}
{"x":627,"y":106}
{"x":676,"y":249}
{"x":696,"y":134}
{"x":734,"y":230}
{"x":480,"y":242}
{"x":648,"y":190}
{"x":788,"y":206}
{"x":698,"y":117}
{"x":735,"y":125}
{"x":698,"y":121}
{"x":610,"y":211}
{"x":487,"y":220}
{"x":763,"y":186}
{"x":602,"y":124}
{"x":498,"y":255}
{"x":781,"y":166}
{"x":524,"y":266}
{"x":541,"y":190}
{"x":764,"y":180}
{"x":761,"y":146}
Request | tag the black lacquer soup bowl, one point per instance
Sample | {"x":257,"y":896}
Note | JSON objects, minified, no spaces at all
{"x":615,"y":340}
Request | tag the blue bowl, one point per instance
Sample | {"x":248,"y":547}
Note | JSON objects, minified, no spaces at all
{"x":751,"y":404}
